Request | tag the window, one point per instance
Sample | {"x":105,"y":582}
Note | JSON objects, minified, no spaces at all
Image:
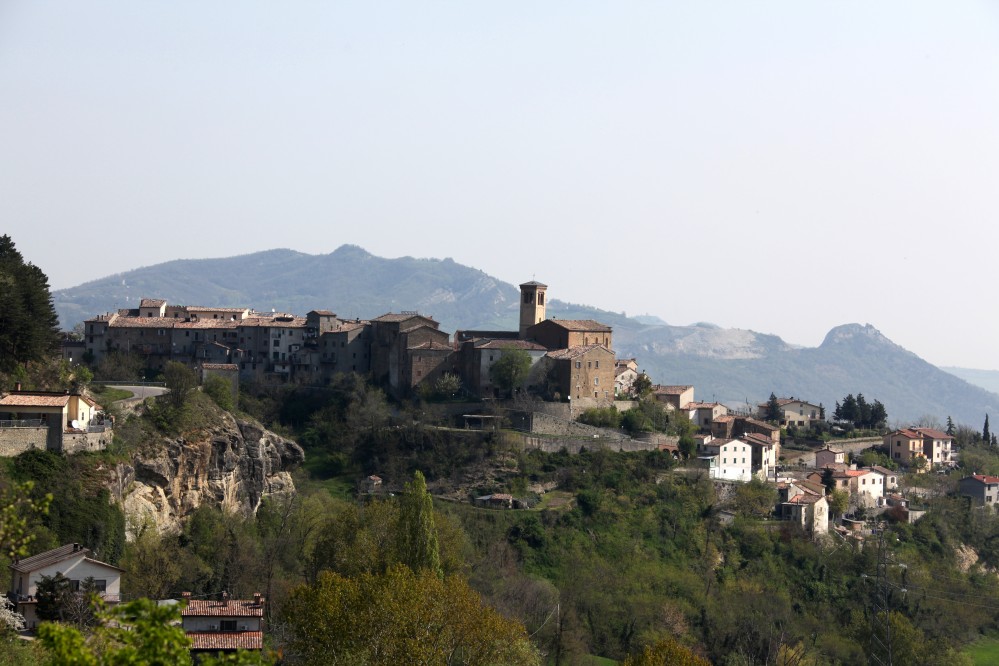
{"x":527,"y":297}
{"x":589,"y":364}
{"x":579,"y":364}
{"x":596,"y":364}
{"x":541,"y":298}
{"x":276,"y":342}
{"x":227,"y":625}
{"x":596,"y":381}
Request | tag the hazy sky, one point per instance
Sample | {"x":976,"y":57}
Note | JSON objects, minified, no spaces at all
{"x":779,"y":166}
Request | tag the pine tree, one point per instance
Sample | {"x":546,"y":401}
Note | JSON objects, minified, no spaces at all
{"x":950,"y":426}
{"x":418,"y":548}
{"x":29,"y":326}
{"x":986,"y":435}
{"x":773,"y":409}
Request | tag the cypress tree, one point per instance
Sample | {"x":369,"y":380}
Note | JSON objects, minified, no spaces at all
{"x":986,"y":435}
{"x":417,"y":534}
{"x":29,"y":326}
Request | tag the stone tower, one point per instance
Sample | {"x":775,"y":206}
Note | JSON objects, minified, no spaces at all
{"x":532,"y":305}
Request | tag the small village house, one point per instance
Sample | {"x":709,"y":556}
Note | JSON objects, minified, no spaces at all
{"x":223,"y":625}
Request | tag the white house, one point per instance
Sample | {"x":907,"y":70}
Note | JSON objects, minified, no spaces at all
{"x":71,"y":561}
{"x":730,"y":459}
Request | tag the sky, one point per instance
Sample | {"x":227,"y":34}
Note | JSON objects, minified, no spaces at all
{"x":784,"y":167}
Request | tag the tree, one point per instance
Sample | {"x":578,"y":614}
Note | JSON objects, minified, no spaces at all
{"x":511,"y":370}
{"x":181,"y":381}
{"x":418,"y":548}
{"x":986,"y":435}
{"x":399,"y":617}
{"x":642,"y":386}
{"x":755,"y":499}
{"x":950,"y":426}
{"x":773,"y":409}
{"x":839,"y":502}
{"x":10,"y":621}
{"x":447,"y":385}
{"x":667,"y":652}
{"x":17,"y":510}
{"x":29,"y":326}
{"x":219,"y":389}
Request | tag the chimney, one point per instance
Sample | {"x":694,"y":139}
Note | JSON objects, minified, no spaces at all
{"x":225,"y":598}
{"x":76,"y":547}
{"x":17,"y":386}
{"x":185,"y":595}
{"x":256,"y":598}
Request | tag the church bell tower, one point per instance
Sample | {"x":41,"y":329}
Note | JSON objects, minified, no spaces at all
{"x":532,"y":305}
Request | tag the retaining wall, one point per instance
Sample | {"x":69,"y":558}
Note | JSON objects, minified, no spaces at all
{"x":14,"y":441}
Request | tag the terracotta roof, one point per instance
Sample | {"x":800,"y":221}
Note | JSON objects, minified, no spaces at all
{"x":152,"y":302}
{"x":217,"y":608}
{"x":143,"y":322}
{"x":701,"y":405}
{"x":983,"y":478}
{"x":501,"y":496}
{"x":492,"y":343}
{"x":226,"y":640}
{"x":574,"y":352}
{"x":581,"y":325}
{"x":323,"y":313}
{"x":621,"y":369}
{"x":761,"y":424}
{"x":883,"y":470}
{"x":906,"y":432}
{"x":804,"y":499}
{"x":724,"y":418}
{"x":220,"y":366}
{"x":932,"y":434}
{"x":272,"y":322}
{"x":755,"y":438}
{"x":35,"y":400}
{"x":199,"y":308}
{"x":209,"y":323}
{"x":811,"y":486}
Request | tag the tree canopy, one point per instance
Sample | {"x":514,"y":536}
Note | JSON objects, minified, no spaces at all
{"x":29,"y":326}
{"x":510,"y":371}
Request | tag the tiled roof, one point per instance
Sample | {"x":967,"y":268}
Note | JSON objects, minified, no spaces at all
{"x":621,"y":369}
{"x":487,"y":343}
{"x":755,"y":438}
{"x":209,"y":323}
{"x":226,"y":640}
{"x":323,"y":313}
{"x":984,"y":478}
{"x":534,"y":283}
{"x":35,"y":400}
{"x":396,"y":317}
{"x":574,"y":352}
{"x":805,"y":499}
{"x":932,"y":434}
{"x":216,"y":608}
{"x":581,"y":325}
{"x":151,"y":302}
{"x":431,"y":345}
{"x":198,"y":308}
{"x":724,"y":418}
{"x":143,"y":322}
{"x":671,"y":390}
{"x":54,"y":556}
{"x":883,"y":470}
{"x":272,"y":322}
{"x":906,"y":432}
{"x":763,"y":425}
{"x":220,"y":366}
{"x":701,"y":405}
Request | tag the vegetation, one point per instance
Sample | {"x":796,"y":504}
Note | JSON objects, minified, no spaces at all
{"x":511,"y":370}
{"x":29,"y":327}
{"x":858,"y":412}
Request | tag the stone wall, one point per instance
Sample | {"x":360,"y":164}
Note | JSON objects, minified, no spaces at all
{"x":86,"y":441}
{"x":14,"y":441}
{"x":574,"y":444}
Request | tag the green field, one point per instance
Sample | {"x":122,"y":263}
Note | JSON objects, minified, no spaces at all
{"x":984,"y":651}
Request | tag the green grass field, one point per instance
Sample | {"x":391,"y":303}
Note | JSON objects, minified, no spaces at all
{"x":984,"y":651}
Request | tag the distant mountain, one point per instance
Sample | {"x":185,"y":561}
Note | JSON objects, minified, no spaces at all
{"x":729,"y":365}
{"x":986,"y":379}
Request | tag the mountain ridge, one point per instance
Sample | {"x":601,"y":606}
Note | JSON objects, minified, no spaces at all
{"x":734,"y":366}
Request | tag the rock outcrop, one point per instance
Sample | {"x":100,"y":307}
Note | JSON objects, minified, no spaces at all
{"x":234,"y":465}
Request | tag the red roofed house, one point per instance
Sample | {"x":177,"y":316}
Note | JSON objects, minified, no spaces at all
{"x":829,"y":456}
{"x":805,"y":505}
{"x":224,"y":625}
{"x":793,"y":412}
{"x":73,"y":562}
{"x":981,"y":488}
{"x":904,"y":446}
{"x":56,"y":421}
{"x":584,"y":374}
{"x":937,"y":447}
{"x":703,"y":414}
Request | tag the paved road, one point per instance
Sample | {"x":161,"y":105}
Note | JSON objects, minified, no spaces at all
{"x":139,"y":393}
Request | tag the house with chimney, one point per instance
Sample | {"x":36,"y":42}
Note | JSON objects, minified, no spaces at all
{"x":223,"y":625}
{"x":65,"y":422}
{"x":72,"y":561}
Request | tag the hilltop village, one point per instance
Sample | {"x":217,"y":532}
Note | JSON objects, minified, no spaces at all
{"x":569,"y":363}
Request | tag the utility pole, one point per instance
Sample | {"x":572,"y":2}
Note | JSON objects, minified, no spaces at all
{"x":880,"y":649}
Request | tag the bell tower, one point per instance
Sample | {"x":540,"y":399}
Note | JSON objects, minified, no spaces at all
{"x":532,"y":305}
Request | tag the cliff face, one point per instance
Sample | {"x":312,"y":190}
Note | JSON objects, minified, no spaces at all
{"x":234,"y":465}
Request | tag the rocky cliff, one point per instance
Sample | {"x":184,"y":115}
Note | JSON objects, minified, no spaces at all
{"x":234,"y":465}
